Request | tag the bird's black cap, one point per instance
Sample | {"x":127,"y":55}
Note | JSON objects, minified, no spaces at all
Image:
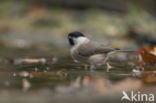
{"x":75,"y":34}
{"x":72,"y":35}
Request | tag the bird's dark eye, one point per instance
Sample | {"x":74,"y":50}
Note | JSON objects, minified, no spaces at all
{"x":69,"y":37}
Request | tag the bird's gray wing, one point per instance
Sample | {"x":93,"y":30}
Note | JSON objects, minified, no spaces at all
{"x":92,"y":48}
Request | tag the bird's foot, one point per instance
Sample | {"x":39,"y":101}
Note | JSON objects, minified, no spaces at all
{"x":86,"y":67}
{"x":92,"y":67}
{"x":108,"y":67}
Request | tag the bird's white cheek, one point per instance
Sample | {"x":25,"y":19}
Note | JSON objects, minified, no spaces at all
{"x":80,"y":40}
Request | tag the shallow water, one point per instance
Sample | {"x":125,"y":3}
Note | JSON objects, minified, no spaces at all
{"x":44,"y":75}
{"x":60,"y":80}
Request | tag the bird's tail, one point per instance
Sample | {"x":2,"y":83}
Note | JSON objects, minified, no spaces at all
{"x":119,"y":50}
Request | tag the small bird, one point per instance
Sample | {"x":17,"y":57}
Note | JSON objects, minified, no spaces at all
{"x":89,"y":52}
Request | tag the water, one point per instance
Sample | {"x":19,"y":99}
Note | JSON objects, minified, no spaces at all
{"x":48,"y":81}
{"x":45,"y":75}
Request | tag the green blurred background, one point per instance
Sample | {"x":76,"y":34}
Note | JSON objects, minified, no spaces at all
{"x":29,"y":22}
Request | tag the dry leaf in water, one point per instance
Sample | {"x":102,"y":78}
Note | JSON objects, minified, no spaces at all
{"x":149,"y":77}
{"x":146,"y":56}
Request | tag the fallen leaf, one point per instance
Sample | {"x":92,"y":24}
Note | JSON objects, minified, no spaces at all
{"x":146,"y":56}
{"x":62,"y":73}
{"x":27,"y":61}
{"x":149,"y":77}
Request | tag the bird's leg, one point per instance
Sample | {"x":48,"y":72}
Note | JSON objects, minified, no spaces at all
{"x":107,"y":57}
{"x":86,"y":67}
{"x":92,"y":67}
{"x":108,"y":66}
{"x":105,"y":60}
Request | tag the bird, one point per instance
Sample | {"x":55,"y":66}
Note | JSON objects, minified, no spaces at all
{"x":90,"y":53}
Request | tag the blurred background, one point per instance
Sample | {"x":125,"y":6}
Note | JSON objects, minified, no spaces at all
{"x":47,"y":22}
{"x":34,"y":51}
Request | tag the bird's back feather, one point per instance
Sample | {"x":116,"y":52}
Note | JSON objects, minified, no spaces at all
{"x":92,"y":48}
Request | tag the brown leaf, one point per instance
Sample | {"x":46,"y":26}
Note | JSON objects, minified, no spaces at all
{"x":147,"y":56}
{"x":149,"y":77}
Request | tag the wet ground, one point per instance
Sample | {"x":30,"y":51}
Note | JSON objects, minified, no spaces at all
{"x":59,"y":79}
{"x":26,"y":78}
{"x":58,"y":70}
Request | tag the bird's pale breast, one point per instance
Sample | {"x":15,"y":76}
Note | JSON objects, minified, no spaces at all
{"x":96,"y":59}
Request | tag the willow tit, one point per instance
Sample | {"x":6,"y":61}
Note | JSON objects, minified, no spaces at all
{"x":89,"y":52}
